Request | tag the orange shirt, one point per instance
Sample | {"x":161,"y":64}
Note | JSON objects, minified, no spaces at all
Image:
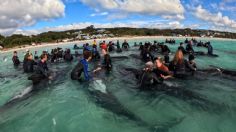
{"x":163,"y":68}
{"x":104,"y":46}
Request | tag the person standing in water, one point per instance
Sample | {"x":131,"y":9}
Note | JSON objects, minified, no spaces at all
{"x":15,"y":59}
{"x":181,"y":47}
{"x":82,"y":66}
{"x":210,"y":49}
{"x":125,"y":45}
{"x":42,"y":71}
{"x":118,"y":49}
{"x":161,"y":70}
{"x":29,"y":63}
{"x":178,"y":64}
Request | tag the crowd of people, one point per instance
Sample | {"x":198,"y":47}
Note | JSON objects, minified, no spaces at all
{"x":156,"y":69}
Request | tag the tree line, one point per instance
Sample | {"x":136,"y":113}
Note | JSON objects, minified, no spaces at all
{"x":53,"y":37}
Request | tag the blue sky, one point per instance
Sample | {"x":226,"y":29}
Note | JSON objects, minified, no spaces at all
{"x":60,"y":15}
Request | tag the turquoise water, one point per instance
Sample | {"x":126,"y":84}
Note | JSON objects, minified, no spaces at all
{"x":68,"y":106}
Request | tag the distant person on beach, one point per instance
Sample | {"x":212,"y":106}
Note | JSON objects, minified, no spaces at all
{"x":15,"y":59}
{"x":82,"y":66}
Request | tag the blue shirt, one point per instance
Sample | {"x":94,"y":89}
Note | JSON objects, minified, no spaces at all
{"x":85,"y":65}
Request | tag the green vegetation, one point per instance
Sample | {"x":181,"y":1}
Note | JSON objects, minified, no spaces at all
{"x":53,"y":37}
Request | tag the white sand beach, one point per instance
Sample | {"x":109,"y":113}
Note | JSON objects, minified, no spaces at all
{"x":81,"y":42}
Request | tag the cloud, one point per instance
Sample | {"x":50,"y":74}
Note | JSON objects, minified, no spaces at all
{"x":171,"y":8}
{"x":15,"y":14}
{"x":218,"y":20}
{"x":99,"y":14}
{"x":133,"y":24}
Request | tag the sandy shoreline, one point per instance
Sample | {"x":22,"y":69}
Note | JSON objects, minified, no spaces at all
{"x":80,"y":42}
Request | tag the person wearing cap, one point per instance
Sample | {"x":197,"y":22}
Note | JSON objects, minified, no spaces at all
{"x":147,"y":79}
{"x":15,"y":59}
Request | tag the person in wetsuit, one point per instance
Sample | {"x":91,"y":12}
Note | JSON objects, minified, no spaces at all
{"x":178,"y":65}
{"x":161,"y":69}
{"x":106,"y":64}
{"x":165,"y":49}
{"x":82,"y":66}
{"x":210,"y":49}
{"x":95,"y":53}
{"x":28,"y":64}
{"x":118,"y":49}
{"x":148,"y":78}
{"x":146,"y":55}
{"x":68,"y":56}
{"x":15,"y":59}
{"x":125,"y":45}
{"x":41,"y":71}
{"x":181,"y":47}
{"x":110,"y":46}
{"x":192,"y":67}
{"x":189,"y":47}
{"x":36,"y":57}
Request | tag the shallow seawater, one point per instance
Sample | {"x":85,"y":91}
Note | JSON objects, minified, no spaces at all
{"x":64,"y":105}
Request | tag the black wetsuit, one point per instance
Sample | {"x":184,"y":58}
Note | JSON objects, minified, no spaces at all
{"x":210,"y":49}
{"x":16,"y":60}
{"x":125,"y":45}
{"x":107,"y":62}
{"x":165,"y":49}
{"x":41,"y":73}
{"x":68,"y":57}
{"x":179,"y":69}
{"x":28,"y":66}
{"x":182,"y":49}
{"x":182,"y":70}
{"x":82,"y":66}
{"x":189,"y":48}
{"x":147,"y":56}
{"x":147,"y":79}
